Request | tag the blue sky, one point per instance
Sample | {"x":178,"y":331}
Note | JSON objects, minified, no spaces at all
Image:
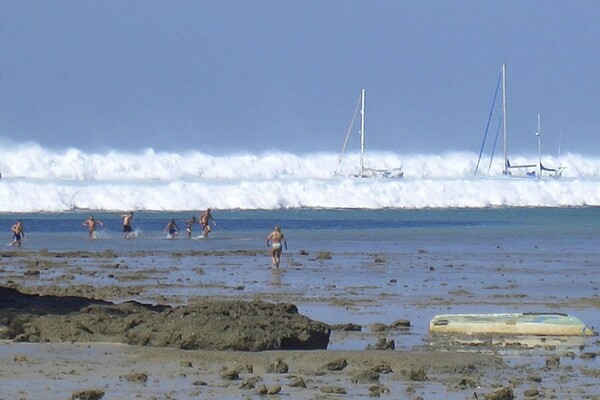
{"x":237,"y":76}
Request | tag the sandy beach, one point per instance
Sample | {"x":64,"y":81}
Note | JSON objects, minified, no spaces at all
{"x":378,"y":344}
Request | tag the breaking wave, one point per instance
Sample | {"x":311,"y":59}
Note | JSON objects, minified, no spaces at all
{"x":36,"y":179}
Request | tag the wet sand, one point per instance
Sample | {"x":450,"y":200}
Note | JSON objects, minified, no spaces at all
{"x":370,"y":290}
{"x":36,"y":371}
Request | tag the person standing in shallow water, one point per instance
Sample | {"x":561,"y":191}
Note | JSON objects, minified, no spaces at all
{"x":205,"y":219}
{"x":188,"y":226}
{"x":172,"y":229}
{"x":127,"y":229}
{"x":18,"y":233}
{"x":91,"y":224}
{"x":277,"y":239}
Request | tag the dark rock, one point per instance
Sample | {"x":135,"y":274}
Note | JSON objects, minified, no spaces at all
{"x":247,"y":384}
{"x":400,"y":324}
{"x":336,"y":365}
{"x":92,"y":394}
{"x":365,"y":376}
{"x":136,"y":377}
{"x":333,"y":389}
{"x":379,"y":327}
{"x":347,"y":327}
{"x":207,"y":325}
{"x":383,"y":344}
{"x":383,"y":368}
{"x":501,"y":394}
{"x":297,"y":381}
{"x":279,"y":367}
{"x":230,"y":374}
{"x":516,"y":381}
{"x":262,"y":390}
{"x":533,"y":392}
{"x":325,"y":255}
{"x":275,"y":389}
{"x":552,"y":361}
{"x":417,"y":374}
{"x":588,"y":356}
{"x":378,"y":390}
{"x":250,"y":383}
{"x":467,"y":383}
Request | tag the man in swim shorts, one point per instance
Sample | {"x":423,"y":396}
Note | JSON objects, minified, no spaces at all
{"x":127,"y":224}
{"x":91,"y":224}
{"x":277,"y":237}
{"x":18,"y":233}
{"x":205,"y":218}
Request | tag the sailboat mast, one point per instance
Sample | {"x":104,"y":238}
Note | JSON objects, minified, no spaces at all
{"x":362,"y":132}
{"x":505,"y":171}
{"x":539,"y":135}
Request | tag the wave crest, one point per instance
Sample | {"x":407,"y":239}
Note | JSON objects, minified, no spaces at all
{"x":38,"y":179}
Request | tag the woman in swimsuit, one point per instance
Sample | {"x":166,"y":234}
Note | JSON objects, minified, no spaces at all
{"x":172,"y":228}
{"x":277,"y":237}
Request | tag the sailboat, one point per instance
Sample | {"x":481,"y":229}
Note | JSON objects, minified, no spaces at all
{"x":363,"y":171}
{"x":552,"y":172}
{"x":508,"y":167}
{"x":537,"y":170}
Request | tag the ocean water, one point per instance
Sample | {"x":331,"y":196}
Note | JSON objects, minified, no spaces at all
{"x":37,"y":179}
{"x":452,"y":231}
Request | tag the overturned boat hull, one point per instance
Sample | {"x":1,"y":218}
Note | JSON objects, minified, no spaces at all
{"x":549,"y":324}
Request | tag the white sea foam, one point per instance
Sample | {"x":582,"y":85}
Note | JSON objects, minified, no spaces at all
{"x":38,"y":179}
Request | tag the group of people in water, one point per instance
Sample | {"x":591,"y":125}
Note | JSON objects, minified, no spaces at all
{"x":275,"y":240}
{"x":172,"y":229}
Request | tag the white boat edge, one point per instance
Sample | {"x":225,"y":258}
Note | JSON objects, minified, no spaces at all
{"x":508,"y":323}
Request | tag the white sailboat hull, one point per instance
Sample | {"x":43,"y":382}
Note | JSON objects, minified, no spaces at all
{"x":395,"y":173}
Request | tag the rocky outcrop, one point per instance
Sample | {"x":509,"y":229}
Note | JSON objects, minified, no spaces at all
{"x":207,"y":325}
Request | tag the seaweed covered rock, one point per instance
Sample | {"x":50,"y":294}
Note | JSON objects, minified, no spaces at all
{"x":208,"y":325}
